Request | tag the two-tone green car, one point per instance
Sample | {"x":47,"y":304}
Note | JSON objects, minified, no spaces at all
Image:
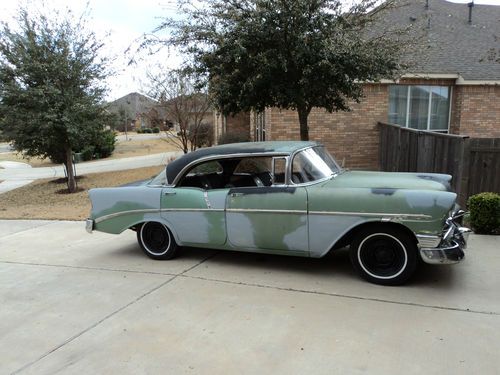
{"x":289,"y":198}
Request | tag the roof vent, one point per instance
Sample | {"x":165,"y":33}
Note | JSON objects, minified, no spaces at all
{"x":470,"y":5}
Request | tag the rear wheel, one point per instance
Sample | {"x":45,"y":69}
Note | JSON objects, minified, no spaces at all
{"x":384,"y":255}
{"x":156,"y":241}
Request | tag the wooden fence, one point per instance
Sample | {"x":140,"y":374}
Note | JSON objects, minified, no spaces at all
{"x":474,"y":163}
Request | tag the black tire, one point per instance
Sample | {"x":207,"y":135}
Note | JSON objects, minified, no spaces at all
{"x":156,"y":241}
{"x":384,"y":255}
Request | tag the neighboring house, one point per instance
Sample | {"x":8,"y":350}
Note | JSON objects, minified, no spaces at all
{"x":139,"y":110}
{"x":453,"y":86}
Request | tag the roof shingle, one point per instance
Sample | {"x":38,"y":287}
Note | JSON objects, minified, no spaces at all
{"x":448,"y":44}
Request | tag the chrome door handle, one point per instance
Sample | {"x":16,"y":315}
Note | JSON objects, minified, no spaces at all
{"x":236,"y":194}
{"x":169,"y":193}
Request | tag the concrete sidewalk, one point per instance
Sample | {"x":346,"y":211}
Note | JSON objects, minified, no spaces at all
{"x":88,"y":167}
{"x":17,"y":177}
{"x":79,"y":303}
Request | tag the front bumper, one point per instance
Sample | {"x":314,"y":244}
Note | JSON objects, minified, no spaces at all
{"x":451,"y":247}
{"x":89,"y":225}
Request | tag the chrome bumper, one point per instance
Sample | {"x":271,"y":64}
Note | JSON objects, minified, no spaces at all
{"x":451,"y":247}
{"x":89,"y":225}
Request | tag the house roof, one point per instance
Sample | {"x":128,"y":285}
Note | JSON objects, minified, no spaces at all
{"x":133,"y":103}
{"x":276,"y":147}
{"x":448,"y":44}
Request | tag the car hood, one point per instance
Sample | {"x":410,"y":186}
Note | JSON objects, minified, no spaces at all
{"x":391,"y":180}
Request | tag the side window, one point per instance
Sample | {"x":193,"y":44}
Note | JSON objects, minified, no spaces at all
{"x":206,"y":168}
{"x":279,"y":171}
{"x":251,"y":172}
{"x":206,"y":176}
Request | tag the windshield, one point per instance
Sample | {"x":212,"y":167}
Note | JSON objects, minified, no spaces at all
{"x":313,"y":164}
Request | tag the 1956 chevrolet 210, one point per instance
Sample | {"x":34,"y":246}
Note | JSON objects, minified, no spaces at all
{"x":289,"y":198}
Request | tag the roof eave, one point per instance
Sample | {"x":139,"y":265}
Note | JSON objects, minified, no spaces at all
{"x":459,"y":80}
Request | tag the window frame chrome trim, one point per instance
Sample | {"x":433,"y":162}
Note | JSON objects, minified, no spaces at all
{"x":184,"y":170}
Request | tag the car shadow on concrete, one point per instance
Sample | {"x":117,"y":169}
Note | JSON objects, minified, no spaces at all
{"x":335,"y":265}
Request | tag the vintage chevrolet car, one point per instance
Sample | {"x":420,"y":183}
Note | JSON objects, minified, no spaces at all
{"x":289,"y":198}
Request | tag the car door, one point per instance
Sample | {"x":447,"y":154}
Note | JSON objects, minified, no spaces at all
{"x":267,"y":218}
{"x":196,"y":215}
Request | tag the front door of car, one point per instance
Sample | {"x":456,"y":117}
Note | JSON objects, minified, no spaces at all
{"x":196,"y":215}
{"x":268,"y":218}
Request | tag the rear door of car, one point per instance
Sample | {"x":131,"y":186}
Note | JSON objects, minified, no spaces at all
{"x":196,"y":215}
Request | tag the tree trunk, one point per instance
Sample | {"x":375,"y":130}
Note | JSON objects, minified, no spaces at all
{"x":69,"y":170}
{"x":304,"y":129}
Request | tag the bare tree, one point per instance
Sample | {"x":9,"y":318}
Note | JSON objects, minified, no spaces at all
{"x":183,"y":105}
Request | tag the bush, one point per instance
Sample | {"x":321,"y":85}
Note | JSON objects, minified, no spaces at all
{"x":139,"y":131}
{"x":105,"y":144}
{"x":87,"y":153}
{"x":147,"y":130}
{"x":485,"y":212}
{"x":156,"y":130}
{"x":101,"y":146}
{"x":234,"y":137}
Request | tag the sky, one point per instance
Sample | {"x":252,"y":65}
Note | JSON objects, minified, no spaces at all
{"x":119,"y":24}
{"x":125,"y":21}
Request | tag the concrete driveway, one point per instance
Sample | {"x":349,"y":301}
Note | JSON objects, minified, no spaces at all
{"x":78,"y":303}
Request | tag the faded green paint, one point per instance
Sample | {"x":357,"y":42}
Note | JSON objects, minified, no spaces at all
{"x":138,"y":200}
{"x":386,"y":193}
{"x":293,"y":220}
{"x":393,"y":180}
{"x":198,"y":226}
{"x":265,"y":230}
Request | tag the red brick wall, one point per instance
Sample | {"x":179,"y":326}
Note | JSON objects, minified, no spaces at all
{"x":350,"y":135}
{"x":239,"y":123}
{"x":478,"y":111}
{"x":354,"y":135}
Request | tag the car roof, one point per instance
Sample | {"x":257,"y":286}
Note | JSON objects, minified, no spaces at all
{"x":280,"y":147}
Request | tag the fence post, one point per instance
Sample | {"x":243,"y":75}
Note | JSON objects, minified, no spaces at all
{"x":463,"y":185}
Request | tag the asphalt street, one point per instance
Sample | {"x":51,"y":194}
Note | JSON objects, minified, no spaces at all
{"x":72,"y":302}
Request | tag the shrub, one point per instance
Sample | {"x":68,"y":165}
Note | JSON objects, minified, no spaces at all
{"x":101,"y":146}
{"x":156,"y":130}
{"x":139,"y":131}
{"x":105,"y":144}
{"x":147,"y":130}
{"x":234,"y":137}
{"x":87,"y":153}
{"x":485,"y":212}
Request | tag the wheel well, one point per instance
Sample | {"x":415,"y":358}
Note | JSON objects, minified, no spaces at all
{"x":138,"y":226}
{"x":347,"y":238}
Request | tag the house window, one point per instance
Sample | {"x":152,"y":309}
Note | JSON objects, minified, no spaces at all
{"x":420,"y":107}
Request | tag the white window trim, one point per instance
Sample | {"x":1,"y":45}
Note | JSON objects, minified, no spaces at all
{"x":407,"y":119}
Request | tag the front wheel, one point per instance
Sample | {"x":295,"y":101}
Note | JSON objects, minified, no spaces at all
{"x":156,"y":241}
{"x":384,"y":255}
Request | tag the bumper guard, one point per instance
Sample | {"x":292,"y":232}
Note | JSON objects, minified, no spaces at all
{"x":451,"y":248}
{"x":89,"y":225}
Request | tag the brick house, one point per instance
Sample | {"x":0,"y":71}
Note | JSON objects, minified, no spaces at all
{"x":453,"y":86}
